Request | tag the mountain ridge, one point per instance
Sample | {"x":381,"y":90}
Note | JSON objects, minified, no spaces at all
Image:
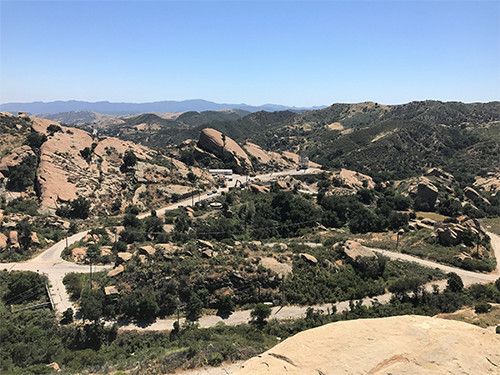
{"x":127,"y":108}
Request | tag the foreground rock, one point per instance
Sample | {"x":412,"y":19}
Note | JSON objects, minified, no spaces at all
{"x":398,"y":345}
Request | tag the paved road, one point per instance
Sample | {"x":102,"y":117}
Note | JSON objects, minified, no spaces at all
{"x":495,"y":244}
{"x":50,"y":263}
{"x":295,"y":312}
{"x":242,"y":179}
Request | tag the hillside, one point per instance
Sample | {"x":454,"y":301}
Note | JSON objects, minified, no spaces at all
{"x":393,"y":142}
{"x":60,"y":164}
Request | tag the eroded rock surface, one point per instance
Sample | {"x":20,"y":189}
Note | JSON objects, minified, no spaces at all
{"x":213,"y":141}
{"x":403,"y":345}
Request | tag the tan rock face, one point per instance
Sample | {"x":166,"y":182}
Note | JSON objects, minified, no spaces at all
{"x":13,"y":238}
{"x":354,"y":180}
{"x":3,"y":241}
{"x":268,"y":157}
{"x":308,"y":257}
{"x":473,"y":194}
{"x":211,"y":140}
{"x":403,"y":345}
{"x":15,"y":158}
{"x":64,"y":174}
{"x":355,"y":250}
{"x":61,"y":164}
{"x":427,"y":192}
{"x":116,"y":271}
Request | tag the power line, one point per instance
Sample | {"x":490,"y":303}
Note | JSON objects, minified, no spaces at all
{"x":236,"y":232}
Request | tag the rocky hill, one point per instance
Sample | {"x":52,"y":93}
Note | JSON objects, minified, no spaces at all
{"x":397,"y":345}
{"x":68,"y":163}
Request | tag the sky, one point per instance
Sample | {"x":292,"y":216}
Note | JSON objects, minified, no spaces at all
{"x":296,"y":53}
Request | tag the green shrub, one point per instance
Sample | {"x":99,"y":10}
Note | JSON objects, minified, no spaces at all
{"x":482,"y":307}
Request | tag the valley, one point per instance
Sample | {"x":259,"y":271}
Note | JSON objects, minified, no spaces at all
{"x":213,"y":235}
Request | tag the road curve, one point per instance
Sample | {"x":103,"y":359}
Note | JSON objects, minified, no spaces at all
{"x":295,"y":312}
{"x":55,"y":268}
{"x":50,"y":263}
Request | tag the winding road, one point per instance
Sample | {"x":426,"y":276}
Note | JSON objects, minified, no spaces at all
{"x":50,"y":263}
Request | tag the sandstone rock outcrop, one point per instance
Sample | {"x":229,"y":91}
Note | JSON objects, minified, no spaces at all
{"x":73,"y":163}
{"x":473,"y":194}
{"x":268,"y":157}
{"x":116,"y":271}
{"x":403,"y":345}
{"x":211,"y":140}
{"x":448,"y":237}
{"x":13,"y":239}
{"x":427,"y":192}
{"x":14,"y":158}
{"x":309,"y":258}
{"x":354,"y":251}
{"x":439,"y":173}
{"x":489,"y":183}
{"x":3,"y":241}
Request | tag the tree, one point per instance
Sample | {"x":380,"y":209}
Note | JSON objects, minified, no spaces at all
{"x":154,"y":226}
{"x":194,"y":307}
{"x":129,"y":160}
{"x":86,"y":154}
{"x":77,"y":208}
{"x":482,"y":307}
{"x":52,"y":129}
{"x":225,"y":305}
{"x":67,"y":316}
{"x":363,"y":220}
{"x":454,"y":283}
{"x":93,"y":253}
{"x":24,"y":230}
{"x":23,"y":175}
{"x":35,"y":140}
{"x":91,"y":304}
{"x":147,"y":308}
{"x":80,"y":208}
{"x":24,"y":286}
{"x":260,"y":313}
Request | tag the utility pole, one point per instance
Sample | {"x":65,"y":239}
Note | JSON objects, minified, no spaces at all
{"x":400,"y":233}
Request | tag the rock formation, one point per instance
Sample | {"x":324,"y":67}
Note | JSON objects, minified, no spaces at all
{"x":427,"y":192}
{"x":15,"y":158}
{"x":212,"y":140}
{"x":473,"y":195}
{"x":402,"y":345}
{"x":73,"y":163}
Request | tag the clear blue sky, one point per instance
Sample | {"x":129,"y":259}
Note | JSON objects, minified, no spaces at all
{"x":300,"y":53}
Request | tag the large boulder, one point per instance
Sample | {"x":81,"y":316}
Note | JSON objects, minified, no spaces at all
{"x":427,"y":192}
{"x":448,"y":237}
{"x":473,"y":195}
{"x":439,"y":173}
{"x":354,"y":180}
{"x":13,"y":239}
{"x":3,"y":241}
{"x":355,"y":251}
{"x":309,"y":258}
{"x":212,"y":141}
{"x":402,"y":345}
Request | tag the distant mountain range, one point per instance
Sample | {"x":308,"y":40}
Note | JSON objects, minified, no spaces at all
{"x":122,"y":108}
